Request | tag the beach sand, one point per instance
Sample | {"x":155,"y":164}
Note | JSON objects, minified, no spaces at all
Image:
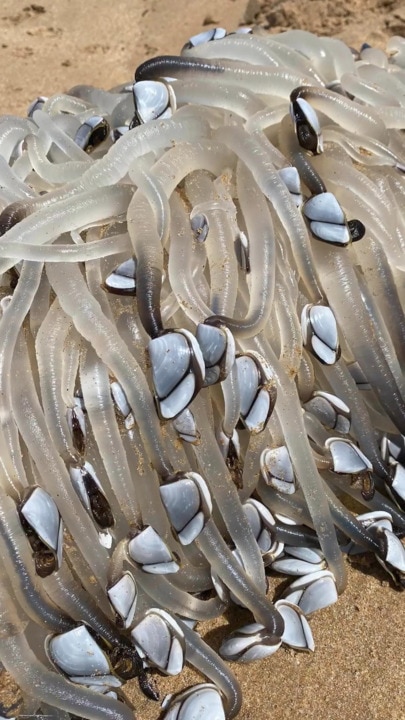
{"x":358,"y":669}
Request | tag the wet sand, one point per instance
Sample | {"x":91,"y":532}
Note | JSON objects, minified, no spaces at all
{"x":358,"y":669}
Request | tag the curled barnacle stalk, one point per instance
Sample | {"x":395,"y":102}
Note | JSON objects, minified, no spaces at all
{"x":178,"y":371}
{"x":43,"y":526}
{"x":319,"y":333}
{"x":327,"y":221}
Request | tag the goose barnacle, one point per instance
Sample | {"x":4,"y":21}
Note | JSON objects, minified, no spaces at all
{"x":173,"y":394}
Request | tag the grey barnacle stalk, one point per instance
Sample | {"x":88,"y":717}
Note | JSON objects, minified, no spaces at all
{"x":188,"y":504}
{"x":178,"y":371}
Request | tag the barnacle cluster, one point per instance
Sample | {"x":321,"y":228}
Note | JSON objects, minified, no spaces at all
{"x":201,"y":359}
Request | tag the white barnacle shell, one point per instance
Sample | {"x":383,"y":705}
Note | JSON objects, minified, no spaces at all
{"x":306,"y":124}
{"x":92,"y":133}
{"x":347,"y":458}
{"x":200,"y":227}
{"x":332,"y":412}
{"x":153,"y":99}
{"x":200,"y":702}
{"x":204,"y":37}
{"x":77,"y":425}
{"x":392,"y":554}
{"x":77,"y":654}
{"x":40,"y":512}
{"x":290,"y":177}
{"x":297,"y":565}
{"x":148,"y":550}
{"x":258,"y":391}
{"x":178,"y":371}
{"x":218,"y":350}
{"x":160,"y":641}
{"x":297,"y":633}
{"x":249,"y":643}
{"x":277,"y":470}
{"x":123,"y":595}
{"x":262,"y":521}
{"x":396,"y":487}
{"x":91,"y":494}
{"x":122,"y":280}
{"x":36,"y":104}
{"x":370,"y":521}
{"x":328,"y":222}
{"x":186,"y":427}
{"x":319,"y":333}
{"x":188,"y":504}
{"x":242,"y":251}
{"x":312,"y":592}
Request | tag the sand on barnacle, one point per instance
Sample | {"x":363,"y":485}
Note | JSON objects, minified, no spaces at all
{"x":358,"y":670}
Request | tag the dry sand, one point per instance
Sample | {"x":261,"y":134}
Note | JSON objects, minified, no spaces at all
{"x":358,"y":669}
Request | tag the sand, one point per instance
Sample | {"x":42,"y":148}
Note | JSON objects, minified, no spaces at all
{"x":358,"y":669}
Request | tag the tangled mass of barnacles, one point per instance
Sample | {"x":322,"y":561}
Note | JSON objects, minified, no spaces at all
{"x":201,"y":363}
